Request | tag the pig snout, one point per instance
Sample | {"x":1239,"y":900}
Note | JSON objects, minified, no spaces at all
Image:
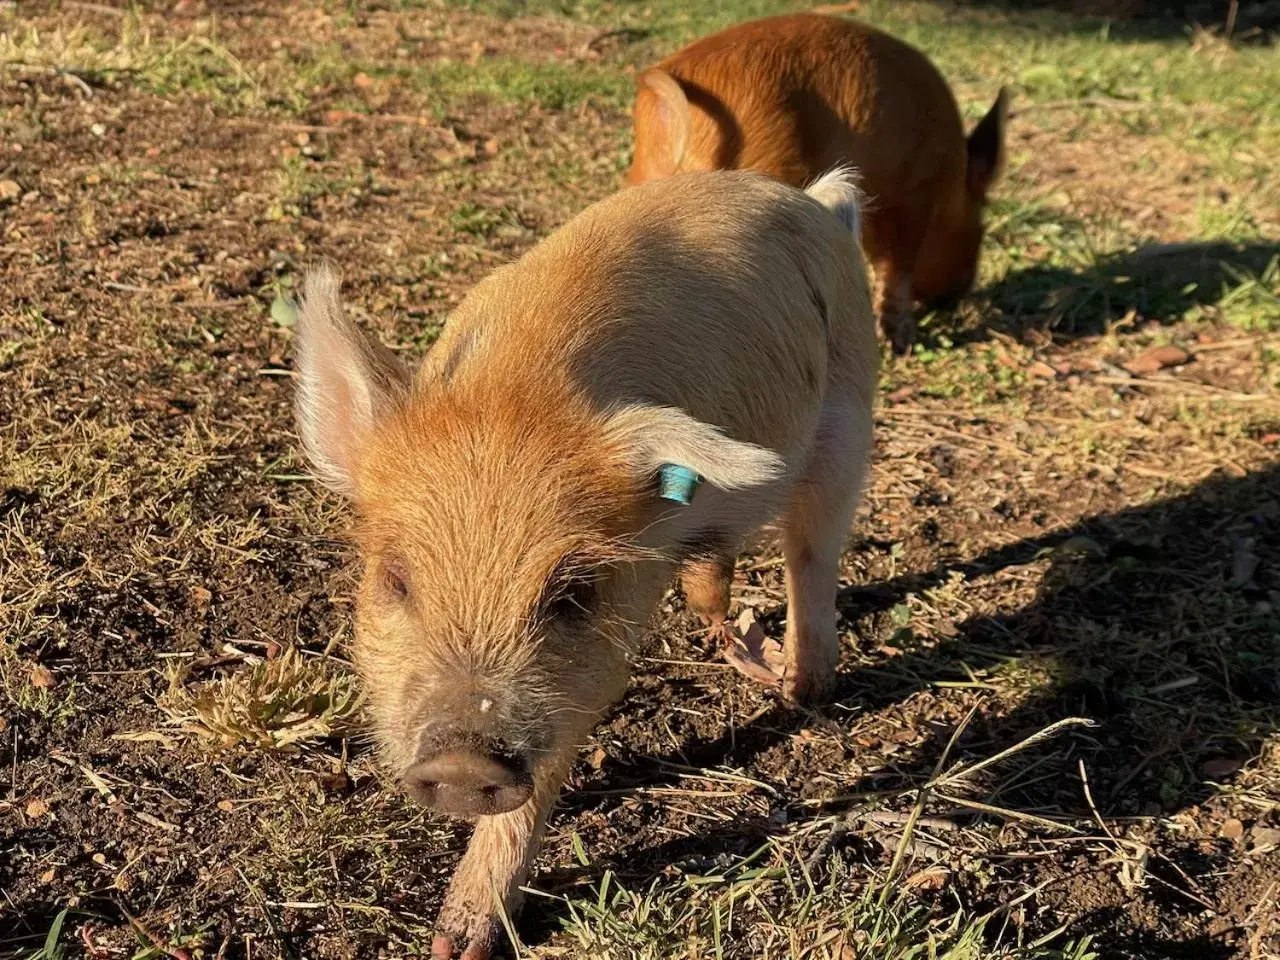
{"x":465,"y":781}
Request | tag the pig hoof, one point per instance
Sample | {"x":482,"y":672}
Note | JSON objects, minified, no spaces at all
{"x":745,"y":647}
{"x":808,"y":688}
{"x":480,"y":944}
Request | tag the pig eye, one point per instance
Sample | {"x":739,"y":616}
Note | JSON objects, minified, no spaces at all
{"x":395,"y":580}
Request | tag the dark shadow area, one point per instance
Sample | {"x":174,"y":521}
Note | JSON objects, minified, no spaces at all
{"x":1160,"y":282}
{"x":1252,"y":20}
{"x":1160,"y":623}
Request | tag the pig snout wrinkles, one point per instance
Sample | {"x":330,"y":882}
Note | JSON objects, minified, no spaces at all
{"x":468,"y":782}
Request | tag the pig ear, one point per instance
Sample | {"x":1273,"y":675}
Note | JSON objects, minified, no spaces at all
{"x":346,"y":382}
{"x":662,"y":103}
{"x":986,"y":148}
{"x":652,"y":437}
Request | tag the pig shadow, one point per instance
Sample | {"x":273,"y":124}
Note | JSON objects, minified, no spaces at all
{"x":1161,"y":282}
{"x":1159,"y":623}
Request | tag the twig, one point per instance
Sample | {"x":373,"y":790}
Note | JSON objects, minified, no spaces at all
{"x":1105,"y":103}
{"x":177,"y":953}
{"x":290,"y":127}
{"x":338,"y":116}
{"x":1255,"y":939}
{"x":86,"y":936}
{"x":95,"y":7}
{"x":628,"y":34}
{"x":922,"y":798}
{"x":67,"y":72}
{"x":1088,"y":796}
{"x":1232,"y":12}
{"x":1198,"y":391}
{"x":285,"y":947}
{"x":1035,"y":738}
{"x":1007,"y":813}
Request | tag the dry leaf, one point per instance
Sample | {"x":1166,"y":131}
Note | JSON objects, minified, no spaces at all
{"x":41,"y":677}
{"x":1157,"y":358}
{"x":37,"y":808}
{"x":931,"y":878}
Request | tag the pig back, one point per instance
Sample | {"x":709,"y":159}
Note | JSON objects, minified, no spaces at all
{"x":794,"y":95}
{"x":728,"y":295}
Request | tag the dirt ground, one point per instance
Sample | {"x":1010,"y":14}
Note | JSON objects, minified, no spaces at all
{"x":1048,"y":535}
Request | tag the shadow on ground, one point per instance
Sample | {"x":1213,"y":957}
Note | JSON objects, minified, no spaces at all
{"x":1161,"y":282}
{"x":1153,"y":19}
{"x":1159,"y":623}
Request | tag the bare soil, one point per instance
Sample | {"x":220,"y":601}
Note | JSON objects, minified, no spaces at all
{"x":154,"y":516}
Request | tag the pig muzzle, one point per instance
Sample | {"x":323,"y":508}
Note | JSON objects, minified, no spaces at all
{"x":464,"y":782}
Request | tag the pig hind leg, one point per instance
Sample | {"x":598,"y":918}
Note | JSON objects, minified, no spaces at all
{"x":706,"y":581}
{"x":814,"y":529}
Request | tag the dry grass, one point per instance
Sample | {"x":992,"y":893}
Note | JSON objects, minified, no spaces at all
{"x":277,"y":703}
{"x":1047,"y":534}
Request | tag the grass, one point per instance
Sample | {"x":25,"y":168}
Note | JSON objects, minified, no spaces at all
{"x":770,"y":904}
{"x":1045,"y":536}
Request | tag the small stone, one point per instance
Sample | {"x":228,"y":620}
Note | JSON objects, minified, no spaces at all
{"x":1232,"y":829}
{"x":226,"y":806}
{"x":1263,"y":838}
{"x":98,"y":129}
{"x":48,"y":876}
{"x":9,"y":190}
{"x":491,"y":147}
{"x":1157,"y":358}
{"x":1220,"y":767}
{"x":37,"y":808}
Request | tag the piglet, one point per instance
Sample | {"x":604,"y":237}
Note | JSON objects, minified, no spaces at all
{"x":679,"y":365}
{"x":794,"y":95}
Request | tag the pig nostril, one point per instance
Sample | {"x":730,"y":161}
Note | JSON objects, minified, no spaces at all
{"x":468,"y":784}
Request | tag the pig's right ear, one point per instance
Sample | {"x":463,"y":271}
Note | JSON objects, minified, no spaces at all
{"x":652,"y":437}
{"x":662,"y":119}
{"x":346,"y":383}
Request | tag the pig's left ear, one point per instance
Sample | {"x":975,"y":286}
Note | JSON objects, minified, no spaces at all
{"x":346,"y":383}
{"x":654,"y":437}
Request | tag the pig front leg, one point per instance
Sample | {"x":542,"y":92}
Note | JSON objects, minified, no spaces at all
{"x":491,"y":872}
{"x":813,"y":535}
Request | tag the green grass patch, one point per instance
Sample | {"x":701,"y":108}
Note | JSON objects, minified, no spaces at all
{"x":770,"y":904}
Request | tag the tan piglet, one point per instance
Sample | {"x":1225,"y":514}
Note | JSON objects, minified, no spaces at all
{"x":509,"y":497}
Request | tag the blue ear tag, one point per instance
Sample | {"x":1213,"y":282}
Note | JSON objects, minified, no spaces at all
{"x":677,"y":483}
